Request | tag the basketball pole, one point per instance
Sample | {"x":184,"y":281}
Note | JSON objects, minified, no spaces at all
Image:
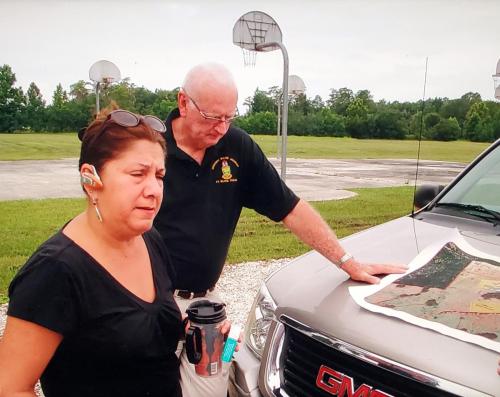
{"x":284,"y":113}
{"x":278,"y":129}
{"x":97,"y":97}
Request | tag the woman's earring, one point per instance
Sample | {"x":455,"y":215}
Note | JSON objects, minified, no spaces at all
{"x":94,"y":203}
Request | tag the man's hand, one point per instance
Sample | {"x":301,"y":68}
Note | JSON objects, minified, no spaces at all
{"x":365,"y":271}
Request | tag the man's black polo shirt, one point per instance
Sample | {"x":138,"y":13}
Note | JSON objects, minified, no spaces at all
{"x":202,"y":203}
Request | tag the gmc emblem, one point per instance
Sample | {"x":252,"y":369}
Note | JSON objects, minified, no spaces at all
{"x":338,"y":384}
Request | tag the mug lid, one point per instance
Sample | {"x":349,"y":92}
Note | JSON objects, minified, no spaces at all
{"x":206,"y":312}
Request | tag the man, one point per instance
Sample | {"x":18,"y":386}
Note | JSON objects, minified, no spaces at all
{"x":213,"y":170}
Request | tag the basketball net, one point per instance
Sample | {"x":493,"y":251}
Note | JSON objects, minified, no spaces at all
{"x":106,"y":82}
{"x":249,"y":57}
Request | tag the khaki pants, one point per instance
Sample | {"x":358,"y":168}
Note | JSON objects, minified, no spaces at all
{"x":192,"y":384}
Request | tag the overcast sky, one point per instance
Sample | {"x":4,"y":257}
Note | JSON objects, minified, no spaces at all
{"x":373,"y":44}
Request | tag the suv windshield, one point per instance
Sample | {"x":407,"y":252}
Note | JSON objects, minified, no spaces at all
{"x":478,"y":192}
{"x":480,"y":186}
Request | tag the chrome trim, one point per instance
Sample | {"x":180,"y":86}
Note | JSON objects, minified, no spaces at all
{"x":361,"y":354}
{"x":272,"y":366}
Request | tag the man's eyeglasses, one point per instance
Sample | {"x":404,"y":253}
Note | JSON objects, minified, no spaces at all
{"x":207,"y":116}
{"x":124,"y":118}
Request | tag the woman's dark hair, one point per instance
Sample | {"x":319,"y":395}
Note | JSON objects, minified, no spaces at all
{"x":100,"y":146}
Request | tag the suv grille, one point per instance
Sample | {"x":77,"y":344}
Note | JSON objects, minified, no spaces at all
{"x":303,"y":356}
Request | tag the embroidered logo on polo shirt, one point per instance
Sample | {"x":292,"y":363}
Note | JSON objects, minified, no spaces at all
{"x":226,"y":170}
{"x":226,"y":173}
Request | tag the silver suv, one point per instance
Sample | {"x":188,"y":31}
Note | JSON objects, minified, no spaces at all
{"x":305,"y":336}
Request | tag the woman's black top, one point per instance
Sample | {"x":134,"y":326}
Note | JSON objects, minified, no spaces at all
{"x":114,"y":343}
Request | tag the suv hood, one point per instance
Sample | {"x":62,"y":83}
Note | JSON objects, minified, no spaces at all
{"x":330,"y":310}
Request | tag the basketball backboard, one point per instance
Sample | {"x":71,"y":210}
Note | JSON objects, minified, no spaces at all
{"x":104,"y":72}
{"x":254,"y":28}
{"x":296,"y":85}
{"x":496,"y":81}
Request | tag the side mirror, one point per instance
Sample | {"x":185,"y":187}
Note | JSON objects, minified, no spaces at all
{"x":425,"y":194}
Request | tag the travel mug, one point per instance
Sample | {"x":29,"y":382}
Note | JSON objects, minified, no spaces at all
{"x":204,"y":339}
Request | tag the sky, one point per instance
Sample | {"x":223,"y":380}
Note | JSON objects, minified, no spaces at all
{"x":379,"y":45}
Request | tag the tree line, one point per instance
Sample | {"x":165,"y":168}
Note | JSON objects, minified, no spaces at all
{"x":343,"y":113}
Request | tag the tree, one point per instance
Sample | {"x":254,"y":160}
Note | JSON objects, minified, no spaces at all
{"x":359,"y":124}
{"x":317,"y":103}
{"x":431,"y":119}
{"x":458,"y":108}
{"x":274,"y":92}
{"x":165,"y":101}
{"x":144,"y":100}
{"x":260,"y":102}
{"x":340,"y":100}
{"x":367,"y":99}
{"x":34,"y":113}
{"x":416,"y":125}
{"x":11,"y":101}
{"x":446,"y":130}
{"x":258,"y":123}
{"x":478,"y":124}
{"x":330,"y":123}
{"x":79,"y":91}
{"x":58,"y":117}
{"x":122,"y":93}
{"x":60,"y":97}
{"x":389,"y":124}
{"x":301,"y":104}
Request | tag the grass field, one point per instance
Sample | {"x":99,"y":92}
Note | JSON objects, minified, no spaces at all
{"x":39,"y":146}
{"x":62,"y":145}
{"x":349,"y":148}
{"x":25,"y":224}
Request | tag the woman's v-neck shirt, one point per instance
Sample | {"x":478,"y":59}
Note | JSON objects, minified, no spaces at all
{"x":114,"y":343}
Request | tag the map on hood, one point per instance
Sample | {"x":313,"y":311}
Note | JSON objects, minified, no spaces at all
{"x":450,"y":287}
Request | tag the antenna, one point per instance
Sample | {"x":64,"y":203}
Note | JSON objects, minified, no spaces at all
{"x":418,"y":153}
{"x":103,"y":72}
{"x":258,"y":31}
{"x":420,"y":135}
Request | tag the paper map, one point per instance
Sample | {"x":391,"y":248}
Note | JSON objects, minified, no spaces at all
{"x":450,"y":287}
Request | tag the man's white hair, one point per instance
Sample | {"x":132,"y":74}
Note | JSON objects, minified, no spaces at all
{"x":207,"y":77}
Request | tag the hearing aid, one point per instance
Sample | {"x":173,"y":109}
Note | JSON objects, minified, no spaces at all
{"x":90,"y":179}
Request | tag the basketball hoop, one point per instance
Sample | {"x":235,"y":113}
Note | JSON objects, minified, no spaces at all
{"x":296,"y":85}
{"x":255,"y":32}
{"x":496,"y":81}
{"x":252,"y":29}
{"x":103,"y":72}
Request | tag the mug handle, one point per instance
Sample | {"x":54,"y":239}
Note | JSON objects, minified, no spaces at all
{"x":193,"y":344}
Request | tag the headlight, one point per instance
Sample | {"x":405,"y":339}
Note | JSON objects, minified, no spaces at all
{"x":259,"y":321}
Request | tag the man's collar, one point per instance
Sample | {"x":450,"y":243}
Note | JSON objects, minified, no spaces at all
{"x":169,"y":134}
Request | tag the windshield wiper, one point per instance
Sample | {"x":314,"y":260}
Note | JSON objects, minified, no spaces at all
{"x":474,"y":210}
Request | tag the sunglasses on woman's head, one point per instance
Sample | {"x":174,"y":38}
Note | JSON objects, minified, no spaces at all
{"x":124,"y":118}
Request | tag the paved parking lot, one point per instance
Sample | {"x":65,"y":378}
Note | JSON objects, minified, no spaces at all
{"x":310,"y":179}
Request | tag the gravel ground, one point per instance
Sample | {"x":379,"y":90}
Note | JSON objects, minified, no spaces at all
{"x":237,"y":287}
{"x":240,"y":282}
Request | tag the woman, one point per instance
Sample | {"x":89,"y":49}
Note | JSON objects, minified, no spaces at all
{"x":92,"y":313}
